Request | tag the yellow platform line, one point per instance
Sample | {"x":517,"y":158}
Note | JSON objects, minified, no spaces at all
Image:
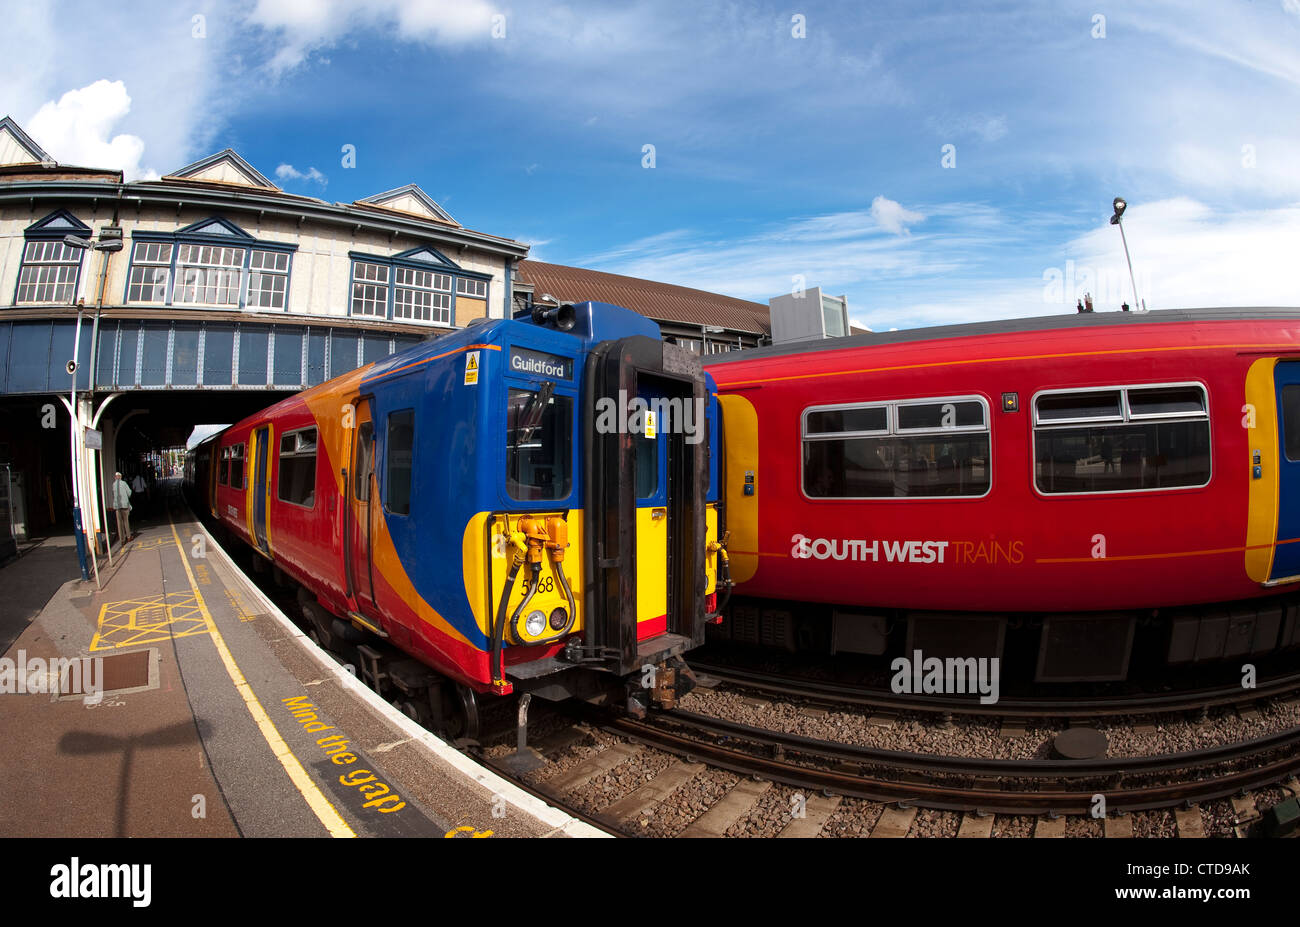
{"x":319,"y":804}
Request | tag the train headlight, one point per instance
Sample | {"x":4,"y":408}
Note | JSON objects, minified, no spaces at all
{"x":559,"y":618}
{"x":535,"y":623}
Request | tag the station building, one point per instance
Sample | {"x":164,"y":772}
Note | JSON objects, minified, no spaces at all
{"x":224,"y":294}
{"x":210,"y":293}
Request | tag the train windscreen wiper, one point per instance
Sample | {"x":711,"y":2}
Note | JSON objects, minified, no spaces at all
{"x":530,"y":419}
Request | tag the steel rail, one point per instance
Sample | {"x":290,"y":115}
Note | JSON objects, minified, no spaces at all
{"x":983,"y":796}
{"x":1054,"y":707}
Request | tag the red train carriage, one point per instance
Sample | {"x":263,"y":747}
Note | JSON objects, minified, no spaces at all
{"x":1095,"y":478}
{"x":456,"y":504}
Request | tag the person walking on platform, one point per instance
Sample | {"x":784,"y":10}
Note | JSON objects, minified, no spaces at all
{"x":122,"y":506}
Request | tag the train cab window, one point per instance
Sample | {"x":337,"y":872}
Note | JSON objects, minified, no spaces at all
{"x":237,"y":466}
{"x":914,"y":449}
{"x":539,"y":444}
{"x":365,"y":461}
{"x":1122,"y":439}
{"x":223,"y":472}
{"x":298,"y":467}
{"x":399,"y":452}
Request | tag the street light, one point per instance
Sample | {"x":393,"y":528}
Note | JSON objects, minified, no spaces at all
{"x":110,"y":240}
{"x":705,"y":331}
{"x":1119,"y":206}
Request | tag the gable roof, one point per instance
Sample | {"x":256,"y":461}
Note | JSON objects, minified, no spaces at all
{"x":17,"y":147}
{"x":226,"y":166}
{"x":660,"y":301}
{"x":56,"y":225}
{"x":409,"y":199}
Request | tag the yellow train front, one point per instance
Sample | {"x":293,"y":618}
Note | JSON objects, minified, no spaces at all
{"x":528,"y":505}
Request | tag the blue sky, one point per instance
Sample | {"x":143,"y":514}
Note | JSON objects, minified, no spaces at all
{"x":790,"y":141}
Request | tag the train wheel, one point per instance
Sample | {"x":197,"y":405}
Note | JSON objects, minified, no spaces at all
{"x":461,"y":715}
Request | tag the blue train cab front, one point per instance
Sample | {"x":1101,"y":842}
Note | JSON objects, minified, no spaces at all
{"x":549,"y":515}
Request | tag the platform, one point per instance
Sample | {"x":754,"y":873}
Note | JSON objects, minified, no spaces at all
{"x":217,"y":718}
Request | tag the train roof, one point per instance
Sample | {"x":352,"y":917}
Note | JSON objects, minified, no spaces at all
{"x":1008,"y":326}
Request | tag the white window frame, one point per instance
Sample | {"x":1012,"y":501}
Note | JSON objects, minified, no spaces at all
{"x":1110,"y":421}
{"x":893,"y":431}
{"x":48,"y":270}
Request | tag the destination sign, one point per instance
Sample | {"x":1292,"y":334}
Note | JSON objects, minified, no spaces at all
{"x":540,"y":364}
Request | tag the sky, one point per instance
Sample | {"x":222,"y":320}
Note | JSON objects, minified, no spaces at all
{"x":934,"y":162}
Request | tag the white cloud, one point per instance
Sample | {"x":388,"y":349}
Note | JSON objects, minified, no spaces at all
{"x":304,"y":26}
{"x":892,"y":217}
{"x":76,"y":128}
{"x":311,"y":175}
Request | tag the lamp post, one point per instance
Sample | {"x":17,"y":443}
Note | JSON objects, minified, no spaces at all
{"x":705,"y":331}
{"x":1119,"y":206}
{"x":109,"y":241}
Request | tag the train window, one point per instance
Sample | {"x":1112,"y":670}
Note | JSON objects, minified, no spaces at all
{"x":647,"y":466}
{"x":936,"y":448}
{"x":862,"y":421}
{"x":365,"y":461}
{"x":1159,"y":439}
{"x":539,"y":427}
{"x":223,"y":473}
{"x":1291,"y":421}
{"x":1080,"y":407}
{"x":399,"y":452}
{"x":940,"y":416}
{"x":298,"y":467}
{"x":1162,"y":403}
{"x":237,"y":466}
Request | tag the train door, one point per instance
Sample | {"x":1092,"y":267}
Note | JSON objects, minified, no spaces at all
{"x":359,"y":525}
{"x":1286,"y":555}
{"x":259,"y":486}
{"x":644,"y":498}
{"x":654,"y":490}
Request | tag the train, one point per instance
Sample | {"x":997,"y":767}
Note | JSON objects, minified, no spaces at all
{"x":525,"y":506}
{"x":1077,"y":494}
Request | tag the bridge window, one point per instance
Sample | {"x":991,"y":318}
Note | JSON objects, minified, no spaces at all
{"x":208,"y":275}
{"x":475,"y":288}
{"x":49,"y":273}
{"x":298,"y":467}
{"x":268,"y":279}
{"x":927,"y":448}
{"x":419,"y":285}
{"x":209,"y":263}
{"x":1122,"y":439}
{"x":421,"y":295}
{"x":151,"y":272}
{"x":370,"y":289}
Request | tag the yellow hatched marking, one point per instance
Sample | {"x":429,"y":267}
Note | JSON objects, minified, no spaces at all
{"x":148,"y":620}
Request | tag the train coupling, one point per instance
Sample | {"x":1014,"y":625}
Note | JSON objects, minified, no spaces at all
{"x":659,"y":684}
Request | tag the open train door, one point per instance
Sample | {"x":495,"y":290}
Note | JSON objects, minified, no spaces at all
{"x":259,"y":488}
{"x":645,"y":504}
{"x":358,"y":525}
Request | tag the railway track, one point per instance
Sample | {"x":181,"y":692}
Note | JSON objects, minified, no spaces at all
{"x":745,"y":766}
{"x":654,"y":769}
{"x":1068,"y":707}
